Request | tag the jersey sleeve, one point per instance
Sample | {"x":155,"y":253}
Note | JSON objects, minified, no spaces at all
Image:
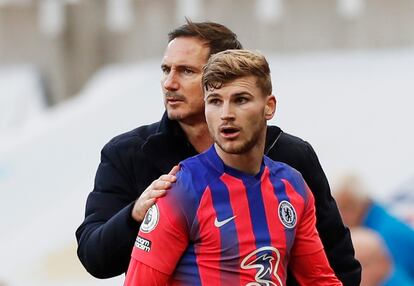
{"x":308,"y":262}
{"x":313,"y":269}
{"x":146,"y":275}
{"x":307,"y":239}
{"x":164,"y":233}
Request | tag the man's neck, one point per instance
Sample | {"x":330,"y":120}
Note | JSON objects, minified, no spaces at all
{"x":249,"y":162}
{"x":198,"y":135}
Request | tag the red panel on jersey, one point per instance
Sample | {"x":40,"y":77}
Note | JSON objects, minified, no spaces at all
{"x":208,"y":250}
{"x":276,"y":229}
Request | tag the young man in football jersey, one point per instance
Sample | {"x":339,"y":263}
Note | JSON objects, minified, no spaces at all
{"x":234,"y":216}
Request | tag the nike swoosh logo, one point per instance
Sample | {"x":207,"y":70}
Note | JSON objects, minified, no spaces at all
{"x":218,"y":223}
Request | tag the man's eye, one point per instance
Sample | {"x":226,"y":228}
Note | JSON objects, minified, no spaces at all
{"x":214,"y":101}
{"x":165,"y":70}
{"x":188,"y":71}
{"x":241,"y":100}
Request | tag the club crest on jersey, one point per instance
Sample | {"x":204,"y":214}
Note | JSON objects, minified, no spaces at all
{"x":265,"y":260}
{"x":150,"y":219}
{"x":287,"y":214}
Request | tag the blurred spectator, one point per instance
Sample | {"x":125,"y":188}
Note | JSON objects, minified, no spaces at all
{"x":378,"y":268}
{"x":403,"y":201}
{"x":359,"y":209}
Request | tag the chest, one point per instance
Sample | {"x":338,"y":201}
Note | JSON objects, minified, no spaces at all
{"x":238,"y":218}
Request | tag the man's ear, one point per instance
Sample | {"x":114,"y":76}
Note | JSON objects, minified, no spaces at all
{"x":270,"y":108}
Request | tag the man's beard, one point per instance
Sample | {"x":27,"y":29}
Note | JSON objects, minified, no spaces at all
{"x":244,"y":147}
{"x":171,"y":113}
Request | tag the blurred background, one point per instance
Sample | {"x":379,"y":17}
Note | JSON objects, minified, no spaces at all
{"x":73,"y":74}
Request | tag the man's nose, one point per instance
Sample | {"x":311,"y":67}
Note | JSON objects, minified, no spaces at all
{"x":171,"y":82}
{"x":227,"y":112}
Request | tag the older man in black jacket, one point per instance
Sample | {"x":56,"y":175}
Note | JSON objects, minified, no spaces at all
{"x":130,"y":175}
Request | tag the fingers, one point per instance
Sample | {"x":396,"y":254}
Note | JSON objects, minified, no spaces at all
{"x":170,"y":177}
{"x":157,"y":189}
{"x":167,"y":178}
{"x":148,"y":203}
{"x":140,"y":208}
{"x":174,"y":170}
{"x":164,"y":181}
{"x":161,"y":184}
{"x":144,"y":202}
{"x":154,"y":194}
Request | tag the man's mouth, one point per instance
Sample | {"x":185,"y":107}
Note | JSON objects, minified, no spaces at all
{"x":229,"y":132}
{"x":174,"y":97}
{"x":174,"y":100}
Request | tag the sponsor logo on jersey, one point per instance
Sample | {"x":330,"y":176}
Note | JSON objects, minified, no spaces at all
{"x":287,"y":214}
{"x":143,"y":243}
{"x":150,"y":219}
{"x":218,"y":223}
{"x":265,"y":260}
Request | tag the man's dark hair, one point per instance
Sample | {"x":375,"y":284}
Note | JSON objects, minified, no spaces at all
{"x":218,"y":37}
{"x":229,"y":65}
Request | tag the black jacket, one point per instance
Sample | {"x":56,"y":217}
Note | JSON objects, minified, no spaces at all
{"x":131,"y":161}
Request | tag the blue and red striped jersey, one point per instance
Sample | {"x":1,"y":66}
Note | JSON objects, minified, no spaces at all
{"x":220,"y":226}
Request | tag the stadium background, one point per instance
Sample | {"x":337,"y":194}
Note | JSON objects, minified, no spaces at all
{"x":75,"y":73}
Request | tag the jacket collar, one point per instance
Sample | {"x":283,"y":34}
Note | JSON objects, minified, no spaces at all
{"x":168,"y":146}
{"x":272,"y":136}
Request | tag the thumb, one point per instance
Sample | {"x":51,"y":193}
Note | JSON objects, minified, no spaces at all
{"x":174,"y":170}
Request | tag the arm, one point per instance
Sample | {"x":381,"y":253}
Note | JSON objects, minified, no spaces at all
{"x":313,"y":269}
{"x":308,"y":261}
{"x":107,"y":235}
{"x":334,"y":235}
{"x":147,"y":275}
{"x":162,"y":240}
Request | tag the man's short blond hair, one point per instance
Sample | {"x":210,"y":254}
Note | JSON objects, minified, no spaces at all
{"x":229,"y":65}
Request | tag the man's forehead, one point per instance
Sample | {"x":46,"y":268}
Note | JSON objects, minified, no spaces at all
{"x":186,"y":50}
{"x":196,"y":43}
{"x":230,"y":91}
{"x":182,"y":62}
{"x":244,"y":84}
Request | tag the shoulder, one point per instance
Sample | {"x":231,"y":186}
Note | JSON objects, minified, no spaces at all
{"x":192,"y":181}
{"x":280,"y":171}
{"x":276,"y":138}
{"x":192,"y":175}
{"x":186,"y":192}
{"x":290,"y":149}
{"x":132,"y":139}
